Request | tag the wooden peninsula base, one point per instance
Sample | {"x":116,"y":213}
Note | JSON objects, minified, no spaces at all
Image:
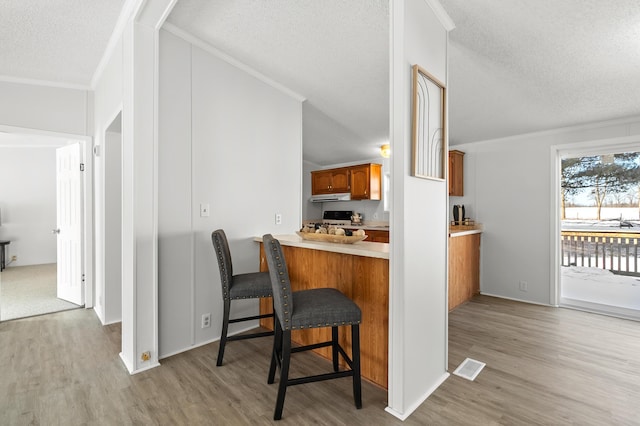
{"x":362,"y":278}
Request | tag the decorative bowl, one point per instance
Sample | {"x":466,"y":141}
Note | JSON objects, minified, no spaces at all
{"x":330,"y":238}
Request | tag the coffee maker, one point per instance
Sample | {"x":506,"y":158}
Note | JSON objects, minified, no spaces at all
{"x":458,"y":214}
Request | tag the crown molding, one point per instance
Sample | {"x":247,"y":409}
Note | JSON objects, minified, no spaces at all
{"x":128,"y":10}
{"x":35,"y":82}
{"x":553,"y":132}
{"x":441,"y":14}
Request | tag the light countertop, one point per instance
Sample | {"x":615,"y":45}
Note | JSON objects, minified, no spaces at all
{"x":361,"y":248}
{"x":367,"y":227}
{"x":462,"y":230}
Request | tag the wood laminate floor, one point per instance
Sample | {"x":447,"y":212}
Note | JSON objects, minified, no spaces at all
{"x":544,"y":366}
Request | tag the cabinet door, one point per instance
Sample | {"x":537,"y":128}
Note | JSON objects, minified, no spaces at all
{"x":375,"y":236}
{"x":464,"y":268}
{"x":340,"y":180}
{"x":366,"y":182}
{"x":320,"y":182}
{"x":378,"y":236}
{"x":456,"y":166}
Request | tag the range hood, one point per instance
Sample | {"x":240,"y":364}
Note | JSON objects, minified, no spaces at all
{"x":330,"y":197}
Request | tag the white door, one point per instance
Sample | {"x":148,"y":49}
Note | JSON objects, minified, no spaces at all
{"x":69,"y":212}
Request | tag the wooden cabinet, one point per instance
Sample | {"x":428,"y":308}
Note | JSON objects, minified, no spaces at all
{"x":464,"y":268}
{"x":456,"y":173}
{"x":364,"y":181}
{"x":330,"y":181}
{"x":375,"y":236}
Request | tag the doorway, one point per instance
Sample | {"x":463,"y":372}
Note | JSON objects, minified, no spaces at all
{"x":109,"y":212}
{"x":599,"y":216}
{"x":30,"y":210}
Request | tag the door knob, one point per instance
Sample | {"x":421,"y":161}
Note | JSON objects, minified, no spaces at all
{"x":55,"y":231}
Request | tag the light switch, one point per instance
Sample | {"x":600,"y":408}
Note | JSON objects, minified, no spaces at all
{"x":204,"y":210}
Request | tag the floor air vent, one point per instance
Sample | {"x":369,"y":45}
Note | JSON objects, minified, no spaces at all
{"x":469,"y":369}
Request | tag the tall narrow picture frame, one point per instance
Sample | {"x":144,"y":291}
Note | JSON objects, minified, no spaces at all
{"x":429,"y":130}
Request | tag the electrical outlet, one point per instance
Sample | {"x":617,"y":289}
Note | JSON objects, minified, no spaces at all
{"x":278,"y":218}
{"x":523,"y":286}
{"x":206,"y":320}
{"x":14,"y":258}
{"x":146,"y":356}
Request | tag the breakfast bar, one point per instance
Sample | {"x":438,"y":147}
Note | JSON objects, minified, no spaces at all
{"x":361,"y":272}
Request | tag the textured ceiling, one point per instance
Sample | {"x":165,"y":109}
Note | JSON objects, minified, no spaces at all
{"x":515,"y":66}
{"x":335,"y":53}
{"x":59,"y":41}
{"x":520,"y":66}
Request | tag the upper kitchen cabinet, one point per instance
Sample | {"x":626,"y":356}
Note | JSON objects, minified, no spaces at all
{"x":456,"y":165}
{"x":363,"y":182}
{"x":330,"y":181}
{"x":366,"y":182}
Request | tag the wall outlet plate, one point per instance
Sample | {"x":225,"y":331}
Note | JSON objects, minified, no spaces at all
{"x":206,"y":320}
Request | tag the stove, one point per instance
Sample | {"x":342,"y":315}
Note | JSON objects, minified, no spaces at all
{"x":337,"y":217}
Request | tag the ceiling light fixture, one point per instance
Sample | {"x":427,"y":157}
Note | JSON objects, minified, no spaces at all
{"x":385,"y":150}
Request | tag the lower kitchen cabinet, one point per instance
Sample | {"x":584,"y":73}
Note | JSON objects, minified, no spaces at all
{"x":374,"y":235}
{"x":377,"y":236}
{"x":464,"y":268}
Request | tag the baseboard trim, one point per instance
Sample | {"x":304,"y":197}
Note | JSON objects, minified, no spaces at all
{"x":413,"y":407}
{"x":206,"y":342}
{"x":597,"y":308}
{"x":515,"y":299}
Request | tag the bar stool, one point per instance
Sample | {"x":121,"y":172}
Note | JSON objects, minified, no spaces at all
{"x":241,"y":286}
{"x":315,"y":308}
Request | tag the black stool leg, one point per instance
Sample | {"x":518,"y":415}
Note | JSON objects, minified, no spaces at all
{"x":225,"y":328}
{"x":334,"y":347}
{"x":355,"y":354}
{"x":284,"y":373}
{"x":276,"y":353}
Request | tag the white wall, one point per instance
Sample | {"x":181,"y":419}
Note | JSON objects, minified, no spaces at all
{"x":231,"y":141}
{"x":418,"y":257}
{"x":310,"y":210}
{"x":52,"y":109}
{"x":112,"y":157}
{"x":107,"y":104}
{"x":26,"y":108}
{"x":508,"y":189}
{"x":28,"y":203}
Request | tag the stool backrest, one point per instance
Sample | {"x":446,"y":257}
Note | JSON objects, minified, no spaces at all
{"x":223,"y":255}
{"x":280,"y":283}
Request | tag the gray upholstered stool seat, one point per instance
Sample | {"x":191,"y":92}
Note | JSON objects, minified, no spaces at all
{"x":322,"y":307}
{"x":251,"y":285}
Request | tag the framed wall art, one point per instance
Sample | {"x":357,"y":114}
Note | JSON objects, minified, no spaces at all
{"x":429,"y":131}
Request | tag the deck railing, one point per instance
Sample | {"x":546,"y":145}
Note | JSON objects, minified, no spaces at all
{"x":615,"y":251}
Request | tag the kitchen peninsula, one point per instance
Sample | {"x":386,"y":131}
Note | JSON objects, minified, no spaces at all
{"x":464,"y":263}
{"x":361,"y":272}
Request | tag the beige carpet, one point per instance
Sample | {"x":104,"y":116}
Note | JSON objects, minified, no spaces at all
{"x":26,"y":291}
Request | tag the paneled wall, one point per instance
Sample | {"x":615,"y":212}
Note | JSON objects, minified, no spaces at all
{"x":28,"y":203}
{"x":232,"y":142}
